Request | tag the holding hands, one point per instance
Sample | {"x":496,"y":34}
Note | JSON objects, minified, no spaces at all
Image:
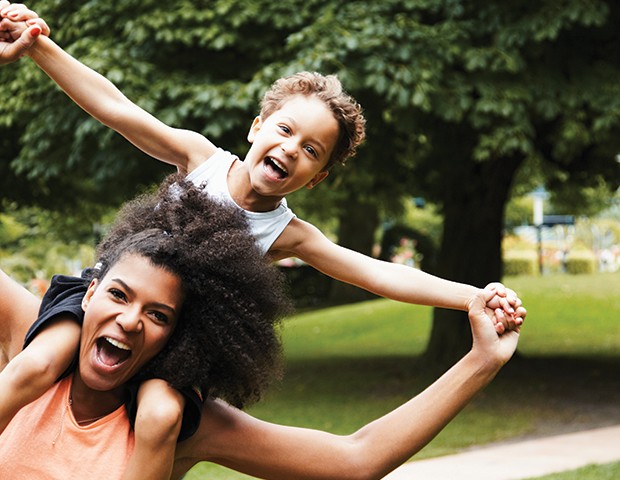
{"x":19,"y":29}
{"x":488,"y":342}
{"x":503,"y":306}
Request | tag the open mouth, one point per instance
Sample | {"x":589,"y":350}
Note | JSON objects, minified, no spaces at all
{"x":275,"y":168}
{"x":111,"y":352}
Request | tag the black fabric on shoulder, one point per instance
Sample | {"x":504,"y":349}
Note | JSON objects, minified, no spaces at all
{"x":64,"y":297}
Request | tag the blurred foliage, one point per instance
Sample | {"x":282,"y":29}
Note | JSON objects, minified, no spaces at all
{"x":517,"y":78}
{"x":466,"y":101}
{"x":36,"y":243}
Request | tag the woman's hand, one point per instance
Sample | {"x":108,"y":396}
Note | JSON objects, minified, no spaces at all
{"x":487,"y":342}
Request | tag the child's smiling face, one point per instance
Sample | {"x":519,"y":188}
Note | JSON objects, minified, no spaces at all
{"x":290,"y":148}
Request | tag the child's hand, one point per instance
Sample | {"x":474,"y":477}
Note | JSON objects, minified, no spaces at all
{"x":504,"y":307}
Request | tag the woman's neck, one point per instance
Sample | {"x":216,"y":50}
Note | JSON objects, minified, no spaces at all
{"x":88,"y":405}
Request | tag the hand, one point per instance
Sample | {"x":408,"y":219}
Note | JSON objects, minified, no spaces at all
{"x":504,"y":307}
{"x":19,"y":29}
{"x":487,"y":342}
{"x":11,"y":50}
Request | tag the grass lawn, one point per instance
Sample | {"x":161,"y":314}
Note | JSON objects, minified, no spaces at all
{"x":348,"y":365}
{"x":610,"y":471}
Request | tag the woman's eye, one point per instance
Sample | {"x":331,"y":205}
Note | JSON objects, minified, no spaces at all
{"x":159,"y":317}
{"x":118,"y":294}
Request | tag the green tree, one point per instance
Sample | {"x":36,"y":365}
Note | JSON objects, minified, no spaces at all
{"x":473,"y":96}
{"x":465,"y":101}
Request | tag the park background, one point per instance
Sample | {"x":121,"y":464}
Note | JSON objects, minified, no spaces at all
{"x":476,"y":111}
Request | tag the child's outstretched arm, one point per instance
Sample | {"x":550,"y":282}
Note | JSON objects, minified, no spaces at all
{"x":239,"y":441}
{"x":101,"y":99}
{"x":389,"y":280}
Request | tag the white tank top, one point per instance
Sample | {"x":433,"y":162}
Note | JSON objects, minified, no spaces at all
{"x":211,"y":177}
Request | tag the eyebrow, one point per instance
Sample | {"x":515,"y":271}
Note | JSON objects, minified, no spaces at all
{"x":131,"y":291}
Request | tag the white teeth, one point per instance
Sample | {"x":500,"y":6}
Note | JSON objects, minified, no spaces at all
{"x":117,"y":344}
{"x":279,"y":165}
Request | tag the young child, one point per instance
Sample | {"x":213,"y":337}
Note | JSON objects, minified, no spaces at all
{"x":307,"y":124}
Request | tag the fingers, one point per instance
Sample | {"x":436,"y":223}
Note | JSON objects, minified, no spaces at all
{"x":45,"y":29}
{"x":520,"y":314}
{"x":511,"y":312}
{"x":497,"y":287}
{"x":499,"y":328}
{"x":10,"y":52}
{"x":17,"y":12}
{"x":15,"y":20}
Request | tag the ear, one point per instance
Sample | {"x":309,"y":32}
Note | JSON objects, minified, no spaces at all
{"x":89,"y":293}
{"x":318,"y":178}
{"x":256,"y":124}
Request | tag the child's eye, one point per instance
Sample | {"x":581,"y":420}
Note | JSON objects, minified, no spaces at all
{"x":311,"y":151}
{"x":285,"y":129}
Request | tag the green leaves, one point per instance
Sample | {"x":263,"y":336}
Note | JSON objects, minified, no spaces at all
{"x":536,"y":79}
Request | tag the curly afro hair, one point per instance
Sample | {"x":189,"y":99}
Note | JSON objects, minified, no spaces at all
{"x":226,"y":341}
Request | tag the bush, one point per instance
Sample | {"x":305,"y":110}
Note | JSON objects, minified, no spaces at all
{"x":580,"y":262}
{"x":520,"y":263}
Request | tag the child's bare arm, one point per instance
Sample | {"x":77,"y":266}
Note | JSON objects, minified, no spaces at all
{"x":157,"y":427}
{"x":389,"y":280}
{"x":31,"y":373}
{"x":100,"y":98}
{"x":104,"y":101}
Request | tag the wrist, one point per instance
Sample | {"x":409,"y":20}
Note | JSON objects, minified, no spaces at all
{"x":37,"y":49}
{"x":486,"y":365}
{"x":472,"y":294}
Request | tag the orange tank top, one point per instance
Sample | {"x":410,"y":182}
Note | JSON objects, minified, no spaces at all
{"x":43,"y":441}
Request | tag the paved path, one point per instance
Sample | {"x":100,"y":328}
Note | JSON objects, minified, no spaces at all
{"x":520,"y":460}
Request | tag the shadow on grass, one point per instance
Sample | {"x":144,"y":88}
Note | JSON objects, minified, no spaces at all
{"x":582,"y":392}
{"x":554,"y":394}
{"x":531,"y":397}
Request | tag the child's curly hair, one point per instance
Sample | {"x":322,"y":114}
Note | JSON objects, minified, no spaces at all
{"x":226,"y":341}
{"x":328,"y":89}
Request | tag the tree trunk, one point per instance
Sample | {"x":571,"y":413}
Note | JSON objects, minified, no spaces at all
{"x":470,"y":250}
{"x":357,"y":225}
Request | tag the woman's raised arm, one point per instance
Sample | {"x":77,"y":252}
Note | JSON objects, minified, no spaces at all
{"x":234,"y":439}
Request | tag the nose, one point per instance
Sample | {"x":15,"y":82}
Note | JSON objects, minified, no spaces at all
{"x":130,"y":320}
{"x":290,"y":147}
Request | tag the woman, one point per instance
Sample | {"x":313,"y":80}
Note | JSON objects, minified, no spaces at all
{"x":175,"y":295}
{"x":178,"y":294}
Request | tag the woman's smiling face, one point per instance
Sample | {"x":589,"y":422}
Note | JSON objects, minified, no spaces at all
{"x":129,"y":316}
